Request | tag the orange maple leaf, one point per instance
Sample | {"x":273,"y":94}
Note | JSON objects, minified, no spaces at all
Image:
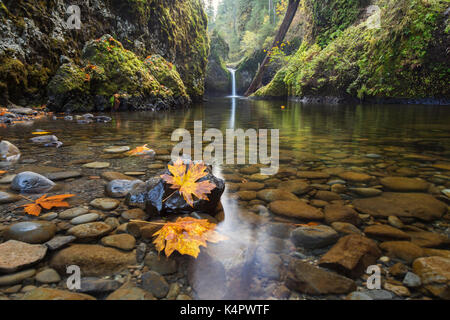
{"x":2,"y":172}
{"x":185,"y":181}
{"x":47,"y":203}
{"x":186,"y":235}
{"x":139,"y":151}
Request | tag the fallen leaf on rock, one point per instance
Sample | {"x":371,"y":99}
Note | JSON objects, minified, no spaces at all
{"x":184,"y":179}
{"x":139,"y":151}
{"x":40,"y":132}
{"x":47,"y":203}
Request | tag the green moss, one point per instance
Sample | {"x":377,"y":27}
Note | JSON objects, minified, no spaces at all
{"x":113,"y":69}
{"x":276,"y":88}
{"x":166,"y":74}
{"x":403,"y":59}
{"x":13,"y":78}
{"x":69,"y":78}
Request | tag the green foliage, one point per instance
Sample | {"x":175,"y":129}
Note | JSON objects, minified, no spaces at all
{"x":403,"y":59}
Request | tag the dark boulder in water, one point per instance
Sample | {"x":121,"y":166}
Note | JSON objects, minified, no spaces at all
{"x":159,"y":199}
{"x":30,"y":182}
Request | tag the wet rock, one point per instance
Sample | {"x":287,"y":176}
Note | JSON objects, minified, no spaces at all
{"x":16,"y":278}
{"x":9,"y":153}
{"x":345,"y":228}
{"x":6,"y":197}
{"x":400,"y":291}
{"x":351,"y":255}
{"x":270,"y":195}
{"x":314,"y":237}
{"x":48,"y":276}
{"x":140,"y":252}
{"x":309,"y":279}
{"x":340,"y":213}
{"x":412,"y":280}
{"x":435,"y":275}
{"x":417,"y":205}
{"x":367,"y":192}
{"x":90,"y":230}
{"x":295,"y":209}
{"x":120,"y":241}
{"x":160,"y":264}
{"x":119,"y":149}
{"x":429,"y":239}
{"x":251,"y":186}
{"x":30,"y":231}
{"x":121,"y":188}
{"x":93,"y":260}
{"x":91,"y":284}
{"x":247,"y":195}
{"x":268,"y":265}
{"x":385,"y":233}
{"x":55,"y":294}
{"x":105,"y":204}
{"x":7,"y":179}
{"x":297,"y":187}
{"x":57,"y":176}
{"x":404,"y":184}
{"x":21,"y":110}
{"x":49,"y":216}
{"x":16,"y":255}
{"x":47,"y":141}
{"x":355,"y":177}
{"x":112,"y":175}
{"x":312,"y":175}
{"x":30,"y":182}
{"x":96,"y":165}
{"x":155,"y":283}
{"x":327,"y":196}
{"x":59,"y":242}
{"x":395,"y":222}
{"x":378,"y":294}
{"x":134,"y":214}
{"x":403,"y":250}
{"x":73,"y":213}
{"x":157,"y":191}
{"x":85,"y":218}
{"x":130,"y":293}
{"x":398,"y":270}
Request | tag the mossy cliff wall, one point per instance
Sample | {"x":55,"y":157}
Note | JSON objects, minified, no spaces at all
{"x":34,"y":39}
{"x":406,"y":58}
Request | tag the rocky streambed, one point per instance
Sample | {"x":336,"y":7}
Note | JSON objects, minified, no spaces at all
{"x":336,"y":207}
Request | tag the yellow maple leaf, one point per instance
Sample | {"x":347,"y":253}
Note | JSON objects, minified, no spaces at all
{"x":184,"y":179}
{"x":186,"y":235}
{"x":138,"y":151}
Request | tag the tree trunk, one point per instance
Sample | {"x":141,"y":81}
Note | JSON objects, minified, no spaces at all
{"x":289,"y":16}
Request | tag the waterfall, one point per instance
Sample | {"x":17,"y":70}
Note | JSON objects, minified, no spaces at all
{"x":233,"y":82}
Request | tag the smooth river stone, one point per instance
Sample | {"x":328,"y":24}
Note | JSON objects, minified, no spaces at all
{"x":55,"y":294}
{"x":385,"y":233}
{"x":7,"y":179}
{"x":30,"y":182}
{"x":297,"y":187}
{"x":404,"y":184}
{"x":355,"y":176}
{"x":93,"y":260}
{"x":367,"y":192}
{"x":295,"y":209}
{"x":113,"y":175}
{"x":15,"y":255}
{"x":85,"y":218}
{"x":15,"y":278}
{"x":30,"y":231}
{"x":313,"y":175}
{"x":56,"y":176}
{"x":97,"y":165}
{"x":121,"y":188}
{"x":105,"y":204}
{"x":6,"y":197}
{"x":90,"y":230}
{"x":314,"y":237}
{"x":120,"y":241}
{"x":72,"y":213}
{"x":417,"y":205}
{"x":270,"y":195}
{"x":121,"y":149}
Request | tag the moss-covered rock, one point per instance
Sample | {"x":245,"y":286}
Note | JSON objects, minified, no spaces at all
{"x":167,"y":75}
{"x":404,"y":59}
{"x":114,"y":77}
{"x":34,"y":33}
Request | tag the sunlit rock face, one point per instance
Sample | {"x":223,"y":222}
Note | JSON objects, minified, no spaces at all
{"x":36,"y":40}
